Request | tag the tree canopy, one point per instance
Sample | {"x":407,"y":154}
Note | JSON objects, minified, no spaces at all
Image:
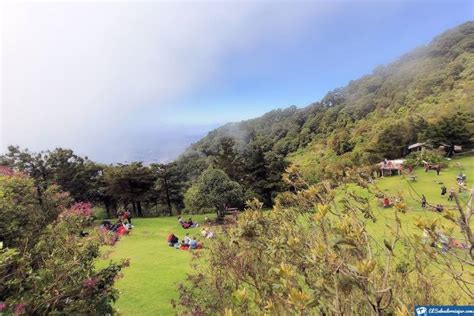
{"x":213,"y":190}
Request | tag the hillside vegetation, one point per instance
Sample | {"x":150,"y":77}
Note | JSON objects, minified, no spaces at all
{"x":371,"y":118}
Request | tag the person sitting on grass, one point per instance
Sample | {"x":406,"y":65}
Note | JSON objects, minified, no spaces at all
{"x":187,"y":224}
{"x":187,"y":239}
{"x":191,"y":223}
{"x":172,"y":240}
{"x":442,"y":242}
{"x":183,"y":245}
{"x":116,"y":226}
{"x":183,"y":224}
{"x":122,"y":229}
{"x":386,"y":202}
{"x":193,"y":244}
{"x":106,"y":225}
{"x":206,"y":233}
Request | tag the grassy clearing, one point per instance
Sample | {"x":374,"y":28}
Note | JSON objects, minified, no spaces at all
{"x":427,"y":183}
{"x":149,"y":283}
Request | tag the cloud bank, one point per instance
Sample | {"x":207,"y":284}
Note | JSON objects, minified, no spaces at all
{"x":74,"y":74}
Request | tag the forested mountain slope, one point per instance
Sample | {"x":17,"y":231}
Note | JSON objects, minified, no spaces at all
{"x":372,"y":117}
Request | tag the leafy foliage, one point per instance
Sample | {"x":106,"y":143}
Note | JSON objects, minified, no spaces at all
{"x":455,"y":129}
{"x":426,"y":94}
{"x":314,"y":255}
{"x":131,"y":183}
{"x":213,"y":190}
{"x":47,"y":267}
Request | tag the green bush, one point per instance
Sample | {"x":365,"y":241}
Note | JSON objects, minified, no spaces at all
{"x":418,"y":159}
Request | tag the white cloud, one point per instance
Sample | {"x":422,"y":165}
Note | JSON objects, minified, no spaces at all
{"x":74,"y":73}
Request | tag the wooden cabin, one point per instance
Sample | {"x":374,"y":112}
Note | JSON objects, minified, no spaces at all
{"x":389,"y":167}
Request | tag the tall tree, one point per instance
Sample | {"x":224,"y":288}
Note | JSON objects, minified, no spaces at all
{"x":168,"y":185}
{"x":262,"y":173}
{"x":32,"y":164}
{"x":455,"y":129}
{"x":77,"y":175}
{"x":130,"y":184}
{"x":214,"y":189}
{"x":227,"y":159}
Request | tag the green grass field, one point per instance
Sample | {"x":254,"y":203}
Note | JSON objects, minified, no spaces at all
{"x":150,"y":282}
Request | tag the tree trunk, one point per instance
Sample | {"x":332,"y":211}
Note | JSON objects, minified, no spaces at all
{"x":139,"y":209}
{"x":134,"y":207}
{"x":40,"y":196}
{"x":220,"y":211}
{"x":107,"y":207}
{"x":168,"y":201}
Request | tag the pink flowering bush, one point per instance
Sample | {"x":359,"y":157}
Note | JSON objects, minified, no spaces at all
{"x":79,"y":215}
{"x":46,"y":265}
{"x":89,"y":282}
{"x":20,"y":309}
{"x":80,"y":209}
{"x":83,"y":209}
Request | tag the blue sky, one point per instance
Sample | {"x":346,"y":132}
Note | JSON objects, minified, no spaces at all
{"x":347,"y":44}
{"x":125,"y":81}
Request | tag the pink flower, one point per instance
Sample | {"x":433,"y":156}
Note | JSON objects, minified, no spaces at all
{"x":2,"y":306}
{"x":81,"y":209}
{"x":90,"y":282}
{"x":19,"y":309}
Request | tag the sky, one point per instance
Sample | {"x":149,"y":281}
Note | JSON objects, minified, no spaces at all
{"x":125,"y":80}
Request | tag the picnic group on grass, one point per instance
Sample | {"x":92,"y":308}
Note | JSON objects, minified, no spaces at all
{"x":187,"y":224}
{"x":188,"y":242}
{"x":122,"y":226}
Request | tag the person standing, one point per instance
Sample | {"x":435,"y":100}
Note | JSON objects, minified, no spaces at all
{"x":423,"y":201}
{"x":452,"y":192}
{"x":443,"y":190}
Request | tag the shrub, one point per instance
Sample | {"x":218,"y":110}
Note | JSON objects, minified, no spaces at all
{"x":418,"y":159}
{"x":46,"y":266}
